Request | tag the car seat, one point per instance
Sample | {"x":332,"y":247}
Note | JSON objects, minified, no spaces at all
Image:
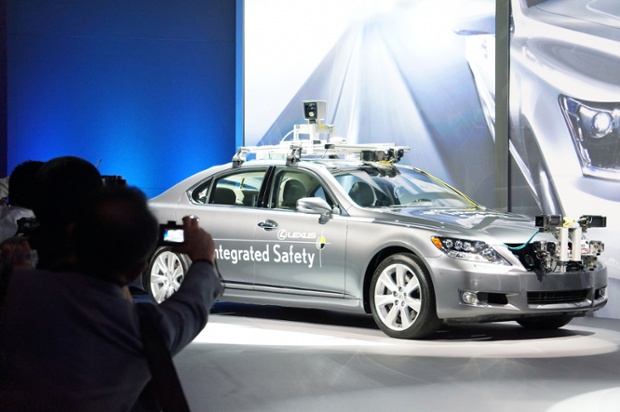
{"x":224,"y":196}
{"x":293,"y":191}
{"x":362,"y":194}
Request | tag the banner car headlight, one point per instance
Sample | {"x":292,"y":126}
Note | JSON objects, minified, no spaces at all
{"x":471,"y":250}
{"x":595,"y":129}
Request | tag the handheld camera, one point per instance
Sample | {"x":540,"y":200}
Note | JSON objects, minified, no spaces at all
{"x":171,"y":234}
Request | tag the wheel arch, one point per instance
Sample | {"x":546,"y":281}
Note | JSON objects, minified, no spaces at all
{"x":376,"y":260}
{"x":533,"y":158}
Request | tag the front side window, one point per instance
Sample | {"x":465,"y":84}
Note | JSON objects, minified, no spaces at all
{"x":292,"y":185}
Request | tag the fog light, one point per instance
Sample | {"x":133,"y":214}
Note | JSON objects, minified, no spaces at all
{"x":470,"y":298}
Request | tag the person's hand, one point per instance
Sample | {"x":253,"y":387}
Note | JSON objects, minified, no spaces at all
{"x":16,"y":252}
{"x":198,"y":244}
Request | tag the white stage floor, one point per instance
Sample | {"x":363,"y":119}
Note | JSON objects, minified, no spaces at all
{"x":269,"y":359}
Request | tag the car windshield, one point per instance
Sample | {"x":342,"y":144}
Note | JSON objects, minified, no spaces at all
{"x":393,"y":187}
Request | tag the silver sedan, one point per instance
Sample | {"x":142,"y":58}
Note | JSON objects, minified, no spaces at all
{"x":366,"y":235}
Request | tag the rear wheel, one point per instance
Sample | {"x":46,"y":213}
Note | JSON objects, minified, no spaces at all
{"x":402,"y":299}
{"x":545,"y":322}
{"x":165,"y":274}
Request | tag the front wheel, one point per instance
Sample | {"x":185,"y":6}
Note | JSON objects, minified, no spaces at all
{"x":545,"y":322}
{"x":402,"y":299}
{"x":165,"y":274}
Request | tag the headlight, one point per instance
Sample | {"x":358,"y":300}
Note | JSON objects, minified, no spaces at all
{"x":595,"y":129}
{"x":472,"y":250}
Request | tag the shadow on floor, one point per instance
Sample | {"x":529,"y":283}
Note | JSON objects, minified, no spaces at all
{"x":499,"y":331}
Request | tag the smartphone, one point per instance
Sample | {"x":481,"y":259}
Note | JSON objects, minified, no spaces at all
{"x":171,"y":234}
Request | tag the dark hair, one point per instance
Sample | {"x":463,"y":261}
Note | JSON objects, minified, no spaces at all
{"x":63,"y":184}
{"x":114,"y":232}
{"x":22,"y":183}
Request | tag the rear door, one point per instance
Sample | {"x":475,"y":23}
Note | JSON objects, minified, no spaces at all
{"x":226,"y":205}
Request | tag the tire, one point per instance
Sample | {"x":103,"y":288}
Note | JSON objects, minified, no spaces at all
{"x":402,"y":298}
{"x":165,"y":274}
{"x":545,"y":322}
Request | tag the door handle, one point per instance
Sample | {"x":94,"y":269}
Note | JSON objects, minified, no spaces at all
{"x":268,"y":224}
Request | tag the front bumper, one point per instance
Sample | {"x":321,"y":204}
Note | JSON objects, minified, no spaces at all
{"x":466,"y":291}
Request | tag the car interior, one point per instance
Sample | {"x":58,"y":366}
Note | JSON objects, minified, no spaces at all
{"x":292,"y":191}
{"x":362,"y":194}
{"x":224,"y":196}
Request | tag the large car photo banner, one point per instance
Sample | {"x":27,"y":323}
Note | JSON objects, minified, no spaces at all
{"x":421,"y":73}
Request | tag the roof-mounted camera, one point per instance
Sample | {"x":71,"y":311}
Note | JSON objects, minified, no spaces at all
{"x":314,"y":110}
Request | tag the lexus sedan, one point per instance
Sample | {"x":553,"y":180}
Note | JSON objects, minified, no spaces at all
{"x":345,"y":228}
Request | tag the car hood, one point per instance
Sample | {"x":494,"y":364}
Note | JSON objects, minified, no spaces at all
{"x":598,"y":17}
{"x":503,"y":227}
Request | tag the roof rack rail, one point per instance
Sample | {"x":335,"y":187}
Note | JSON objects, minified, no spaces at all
{"x":295,"y":150}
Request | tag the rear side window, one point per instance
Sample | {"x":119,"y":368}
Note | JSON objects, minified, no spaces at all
{"x":238,"y":188}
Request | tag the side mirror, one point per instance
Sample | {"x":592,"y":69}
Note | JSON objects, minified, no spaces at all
{"x":315,"y":206}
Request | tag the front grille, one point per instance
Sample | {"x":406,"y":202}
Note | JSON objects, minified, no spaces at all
{"x":549,"y":298}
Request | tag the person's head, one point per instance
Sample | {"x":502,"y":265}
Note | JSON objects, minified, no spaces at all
{"x":22,"y":183}
{"x":114,"y":235}
{"x":63,"y":184}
